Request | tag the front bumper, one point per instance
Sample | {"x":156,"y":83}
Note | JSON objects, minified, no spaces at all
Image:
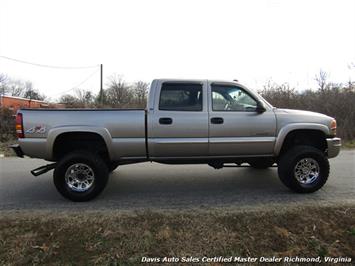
{"x":334,"y":145}
{"x":17,"y":149}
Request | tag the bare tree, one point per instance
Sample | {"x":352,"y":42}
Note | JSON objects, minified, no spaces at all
{"x":69,"y":101}
{"x":140,"y":91}
{"x":3,"y":84}
{"x":351,"y":83}
{"x":281,"y":95}
{"x":118,"y":93}
{"x":322,"y":80}
{"x":81,"y":99}
{"x":85,"y":97}
{"x":31,"y":93}
{"x":16,"y":88}
{"x":3,"y":80}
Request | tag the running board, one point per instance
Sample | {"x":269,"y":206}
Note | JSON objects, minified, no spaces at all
{"x":238,"y":166}
{"x":230,"y":165}
{"x":43,"y":169}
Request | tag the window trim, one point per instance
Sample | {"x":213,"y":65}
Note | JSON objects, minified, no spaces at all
{"x":236,"y":86}
{"x":179,"y":83}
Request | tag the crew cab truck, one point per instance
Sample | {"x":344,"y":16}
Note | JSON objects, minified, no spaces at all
{"x":185,"y":122}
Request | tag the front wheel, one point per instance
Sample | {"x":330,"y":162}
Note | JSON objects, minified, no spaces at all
{"x":303,"y":169}
{"x":80,"y":176}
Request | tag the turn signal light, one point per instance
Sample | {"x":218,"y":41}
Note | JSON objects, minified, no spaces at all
{"x":19,"y":126}
{"x":333,"y":127}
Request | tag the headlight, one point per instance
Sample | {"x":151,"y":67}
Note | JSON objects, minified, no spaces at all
{"x":333,"y":127}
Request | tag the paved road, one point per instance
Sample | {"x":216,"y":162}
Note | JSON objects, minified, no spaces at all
{"x":155,"y":186}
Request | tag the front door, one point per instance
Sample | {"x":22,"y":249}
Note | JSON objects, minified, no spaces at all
{"x":178,"y":123}
{"x":235,"y":128}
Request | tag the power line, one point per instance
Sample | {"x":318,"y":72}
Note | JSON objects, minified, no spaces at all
{"x":47,"y":66}
{"x":81,"y":83}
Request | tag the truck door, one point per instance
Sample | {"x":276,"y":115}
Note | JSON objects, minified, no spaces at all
{"x":178,"y":120}
{"x":235,"y":126}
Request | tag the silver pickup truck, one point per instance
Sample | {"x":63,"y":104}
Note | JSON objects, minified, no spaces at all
{"x":217,"y":123}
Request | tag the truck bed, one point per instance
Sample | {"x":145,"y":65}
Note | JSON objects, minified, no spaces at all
{"x":118,"y":127}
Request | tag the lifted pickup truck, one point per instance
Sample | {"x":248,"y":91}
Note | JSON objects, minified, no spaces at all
{"x":185,"y":122}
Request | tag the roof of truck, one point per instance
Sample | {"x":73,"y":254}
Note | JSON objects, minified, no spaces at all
{"x":197,"y":80}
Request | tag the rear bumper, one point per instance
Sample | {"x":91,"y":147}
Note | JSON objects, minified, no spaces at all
{"x":334,"y":145}
{"x":17,"y":149}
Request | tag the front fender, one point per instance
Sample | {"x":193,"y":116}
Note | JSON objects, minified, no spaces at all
{"x":284,"y":131}
{"x":53,"y":133}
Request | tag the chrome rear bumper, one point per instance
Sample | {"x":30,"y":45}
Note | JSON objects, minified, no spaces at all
{"x":17,"y":149}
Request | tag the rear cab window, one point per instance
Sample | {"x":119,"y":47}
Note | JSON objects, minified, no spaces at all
{"x":180,"y":97}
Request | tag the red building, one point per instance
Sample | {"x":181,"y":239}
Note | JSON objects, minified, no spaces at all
{"x":15,"y":103}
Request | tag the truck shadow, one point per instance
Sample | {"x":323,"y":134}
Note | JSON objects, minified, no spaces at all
{"x":166,"y":186}
{"x":158,"y":186}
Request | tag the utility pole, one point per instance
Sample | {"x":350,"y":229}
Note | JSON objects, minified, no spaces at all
{"x":101,"y":86}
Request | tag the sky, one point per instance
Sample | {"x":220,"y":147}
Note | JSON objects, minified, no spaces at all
{"x":252,"y":41}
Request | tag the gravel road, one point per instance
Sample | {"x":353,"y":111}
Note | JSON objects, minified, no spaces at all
{"x":151,"y":186}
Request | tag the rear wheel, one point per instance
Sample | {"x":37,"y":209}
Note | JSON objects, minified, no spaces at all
{"x":303,"y":169}
{"x":80,"y":176}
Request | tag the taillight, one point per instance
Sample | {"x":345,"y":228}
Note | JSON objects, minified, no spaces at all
{"x":19,"y":126}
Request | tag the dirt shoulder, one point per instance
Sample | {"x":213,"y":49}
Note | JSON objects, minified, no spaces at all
{"x":114,"y":237}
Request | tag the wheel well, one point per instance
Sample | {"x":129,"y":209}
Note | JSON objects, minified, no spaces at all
{"x":314,"y":138}
{"x":68,"y":142}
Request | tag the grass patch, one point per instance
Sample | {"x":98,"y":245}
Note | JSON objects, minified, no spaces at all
{"x":349,"y":144}
{"x":111,"y":238}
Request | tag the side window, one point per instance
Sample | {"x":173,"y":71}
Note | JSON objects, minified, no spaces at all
{"x":231,"y":98}
{"x":181,"y":97}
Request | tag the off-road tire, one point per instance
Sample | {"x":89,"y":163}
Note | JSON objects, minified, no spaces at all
{"x":288,"y":161}
{"x":112,"y":166}
{"x":95,"y":162}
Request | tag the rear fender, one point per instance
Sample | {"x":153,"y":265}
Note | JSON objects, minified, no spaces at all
{"x":55,"y":132}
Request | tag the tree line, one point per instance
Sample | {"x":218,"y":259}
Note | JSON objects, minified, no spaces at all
{"x":118,"y":94}
{"x":19,"y":88}
{"x":333,"y":99}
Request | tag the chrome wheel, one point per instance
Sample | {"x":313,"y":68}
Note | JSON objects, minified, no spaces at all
{"x":306,"y":171}
{"x":79,"y":177}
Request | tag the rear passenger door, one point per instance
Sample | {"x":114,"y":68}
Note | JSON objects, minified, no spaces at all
{"x":178,"y":123}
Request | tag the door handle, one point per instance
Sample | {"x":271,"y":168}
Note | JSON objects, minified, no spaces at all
{"x":165,"y":121}
{"x":217,"y":120}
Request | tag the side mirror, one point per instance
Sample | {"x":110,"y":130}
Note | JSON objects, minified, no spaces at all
{"x":260,"y":108}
